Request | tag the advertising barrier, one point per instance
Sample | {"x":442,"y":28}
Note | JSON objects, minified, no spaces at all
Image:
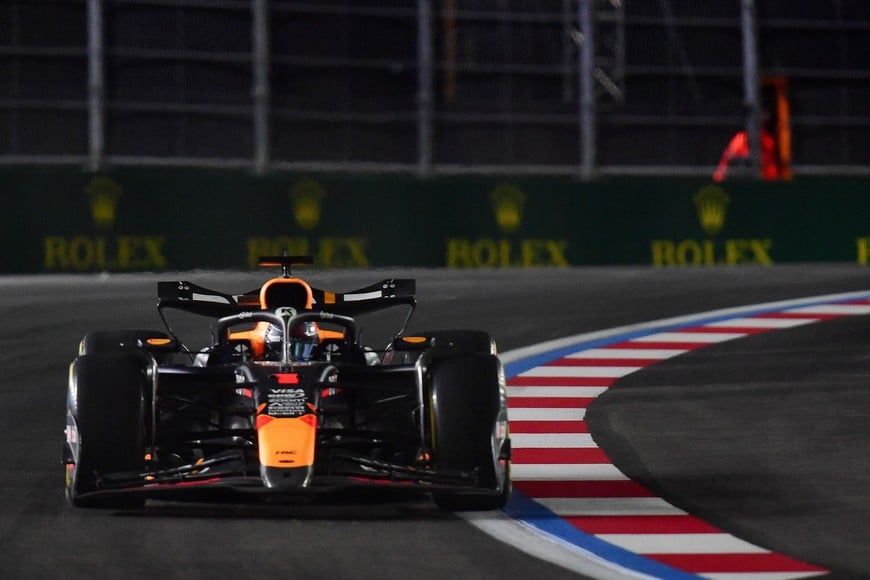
{"x":70,"y":220}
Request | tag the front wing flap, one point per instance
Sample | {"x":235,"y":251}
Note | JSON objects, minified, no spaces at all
{"x":224,"y":473}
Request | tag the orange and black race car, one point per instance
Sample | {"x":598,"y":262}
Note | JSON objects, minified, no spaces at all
{"x":285,"y":399}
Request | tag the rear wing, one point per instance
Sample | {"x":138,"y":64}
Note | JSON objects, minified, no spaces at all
{"x":384,"y":294}
{"x":197,"y":299}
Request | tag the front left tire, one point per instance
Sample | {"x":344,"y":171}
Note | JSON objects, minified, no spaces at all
{"x":469,"y":429}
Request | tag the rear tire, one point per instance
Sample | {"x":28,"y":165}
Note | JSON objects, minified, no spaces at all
{"x":106,"y":409}
{"x":469,"y":419}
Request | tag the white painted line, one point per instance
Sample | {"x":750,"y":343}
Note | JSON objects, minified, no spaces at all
{"x":610,"y":506}
{"x":535,"y":414}
{"x":548,"y":392}
{"x":691,"y":337}
{"x":566,"y":472}
{"x":628,"y":353}
{"x":581,"y":372}
{"x":762,"y":575}
{"x":845,"y":309}
{"x":682,"y":543}
{"x":552,"y":440}
{"x":770,"y":323}
{"x":547,"y":547}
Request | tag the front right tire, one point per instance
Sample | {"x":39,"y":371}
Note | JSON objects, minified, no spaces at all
{"x":105,"y":426}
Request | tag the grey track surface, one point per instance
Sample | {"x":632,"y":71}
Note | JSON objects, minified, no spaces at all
{"x":767,"y":436}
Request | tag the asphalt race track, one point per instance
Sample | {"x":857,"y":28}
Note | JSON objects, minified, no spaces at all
{"x":767,"y":437}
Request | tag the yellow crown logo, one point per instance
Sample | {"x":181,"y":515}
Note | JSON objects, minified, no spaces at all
{"x":306,"y":195}
{"x":104,"y":193}
{"x":711,"y":202}
{"x":507,"y":201}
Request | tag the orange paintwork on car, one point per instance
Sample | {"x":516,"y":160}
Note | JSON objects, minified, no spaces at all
{"x":286,"y":441}
{"x":256,"y":337}
{"x":274,"y":282}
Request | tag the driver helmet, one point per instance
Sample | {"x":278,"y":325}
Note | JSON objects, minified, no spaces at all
{"x":303,"y":339}
{"x":273,"y":342}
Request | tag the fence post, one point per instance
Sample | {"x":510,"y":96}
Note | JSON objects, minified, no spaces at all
{"x":751,"y":91}
{"x":261,"y":88}
{"x":96,"y":86}
{"x":424,"y":87}
{"x":586,"y":64}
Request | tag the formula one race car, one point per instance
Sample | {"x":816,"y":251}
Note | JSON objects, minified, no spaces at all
{"x":286,"y":400}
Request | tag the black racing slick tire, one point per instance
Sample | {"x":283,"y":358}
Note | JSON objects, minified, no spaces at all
{"x":469,"y":429}
{"x":105,"y":426}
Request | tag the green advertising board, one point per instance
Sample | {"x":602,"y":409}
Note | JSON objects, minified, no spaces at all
{"x":68,"y":220}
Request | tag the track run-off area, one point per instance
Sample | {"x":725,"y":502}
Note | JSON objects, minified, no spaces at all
{"x":569,"y":492}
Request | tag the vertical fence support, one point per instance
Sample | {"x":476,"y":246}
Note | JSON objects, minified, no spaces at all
{"x":568,"y":23}
{"x":424,"y":87}
{"x":752,"y":94}
{"x":96,"y":86}
{"x":586,"y":64}
{"x":261,"y":89}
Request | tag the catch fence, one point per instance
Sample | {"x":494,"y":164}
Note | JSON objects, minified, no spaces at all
{"x":574,"y":87}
